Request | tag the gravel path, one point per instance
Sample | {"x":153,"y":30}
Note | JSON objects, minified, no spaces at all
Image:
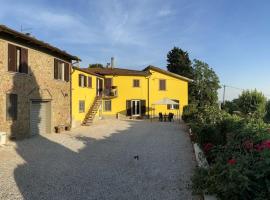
{"x":97,"y":163}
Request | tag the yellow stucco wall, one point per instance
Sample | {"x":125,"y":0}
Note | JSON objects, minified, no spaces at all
{"x":175,"y":89}
{"x":126,"y":91}
{"x":81,"y":93}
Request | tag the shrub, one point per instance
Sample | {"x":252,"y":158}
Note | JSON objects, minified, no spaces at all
{"x":239,"y":168}
{"x":252,"y":102}
{"x":188,"y":112}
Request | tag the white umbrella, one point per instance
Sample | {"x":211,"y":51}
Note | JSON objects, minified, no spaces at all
{"x":165,"y":101}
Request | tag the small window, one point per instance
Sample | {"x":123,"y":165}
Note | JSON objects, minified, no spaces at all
{"x":11,"y":106}
{"x":82,"y":80}
{"x":61,"y":70}
{"x":89,"y":81}
{"x":17,"y":59}
{"x":81,"y":106}
{"x":136,"y":83}
{"x":162,"y":84}
{"x":107,"y":105}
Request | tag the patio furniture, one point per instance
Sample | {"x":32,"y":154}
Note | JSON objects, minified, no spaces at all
{"x":165,"y":101}
{"x":160,"y":117}
{"x":165,"y":117}
{"x":170,"y":118}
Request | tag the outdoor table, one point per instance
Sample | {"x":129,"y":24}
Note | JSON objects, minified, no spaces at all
{"x":165,"y":117}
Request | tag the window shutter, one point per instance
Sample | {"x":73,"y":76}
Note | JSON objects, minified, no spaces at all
{"x":55,"y":69}
{"x":168,"y":106}
{"x":80,"y":83}
{"x":164,"y":84}
{"x":67,"y":72}
{"x":11,"y":106}
{"x":143,"y":107}
{"x":128,"y":107}
{"x":24,"y":61}
{"x":84,"y":81}
{"x":12,"y":57}
{"x":108,"y":83}
{"x":89,"y":81}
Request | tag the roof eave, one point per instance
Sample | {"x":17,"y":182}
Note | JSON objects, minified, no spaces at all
{"x":40,"y":43}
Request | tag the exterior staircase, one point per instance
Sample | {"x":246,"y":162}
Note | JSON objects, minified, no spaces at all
{"x":88,"y":120}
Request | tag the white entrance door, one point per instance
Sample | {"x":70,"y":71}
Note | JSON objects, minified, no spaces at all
{"x":40,"y":117}
{"x":135,"y":107}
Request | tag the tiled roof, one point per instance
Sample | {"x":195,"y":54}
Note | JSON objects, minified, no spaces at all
{"x":117,"y":71}
{"x":31,"y":40}
{"x":87,"y":71}
{"x":150,"y":67}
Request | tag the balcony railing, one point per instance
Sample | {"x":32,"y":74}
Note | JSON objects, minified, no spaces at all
{"x":110,"y":92}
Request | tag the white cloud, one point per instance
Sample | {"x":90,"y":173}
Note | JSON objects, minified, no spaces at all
{"x":165,"y":12}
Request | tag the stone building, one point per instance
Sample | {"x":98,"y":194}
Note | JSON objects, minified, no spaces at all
{"x":35,"y":95}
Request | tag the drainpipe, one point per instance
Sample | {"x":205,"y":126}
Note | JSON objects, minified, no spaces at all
{"x":70,"y":80}
{"x":148,"y":96}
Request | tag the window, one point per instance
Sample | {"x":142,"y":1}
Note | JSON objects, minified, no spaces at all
{"x":61,"y":70}
{"x":17,"y":59}
{"x":136,"y":83}
{"x":81,"y":106}
{"x":11,"y":106}
{"x":162,"y":84}
{"x":172,"y":106}
{"x":89,"y":81}
{"x":82,"y":80}
{"x":107,"y":105}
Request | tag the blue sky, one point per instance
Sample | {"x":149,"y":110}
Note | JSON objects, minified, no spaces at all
{"x":233,"y":37}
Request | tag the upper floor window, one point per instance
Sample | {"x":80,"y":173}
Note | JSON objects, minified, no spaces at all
{"x":11,"y":106}
{"x":82,"y":80}
{"x":136,"y":83}
{"x":61,"y":70}
{"x":17,"y":59}
{"x":89,"y":81}
{"x":162,"y":84}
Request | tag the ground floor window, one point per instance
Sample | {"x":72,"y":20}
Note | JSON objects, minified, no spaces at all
{"x":11,"y":106}
{"x":107,"y":105}
{"x":81,"y":106}
{"x":172,"y":106}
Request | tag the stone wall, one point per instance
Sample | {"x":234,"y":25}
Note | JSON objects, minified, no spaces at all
{"x":38,"y":84}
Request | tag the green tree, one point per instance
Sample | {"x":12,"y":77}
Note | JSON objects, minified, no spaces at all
{"x":252,"y":102}
{"x":96,"y":65}
{"x":204,"y":88}
{"x":179,"y":62}
{"x":231,"y":106}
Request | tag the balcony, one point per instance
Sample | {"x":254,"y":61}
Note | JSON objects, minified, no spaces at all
{"x":110,"y":93}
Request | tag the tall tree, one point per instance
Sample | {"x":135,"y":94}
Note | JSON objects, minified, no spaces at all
{"x":179,"y":62}
{"x":204,"y":88}
{"x":252,"y":102}
{"x":96,"y":65}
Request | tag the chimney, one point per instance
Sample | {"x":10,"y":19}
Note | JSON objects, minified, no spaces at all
{"x":112,"y":62}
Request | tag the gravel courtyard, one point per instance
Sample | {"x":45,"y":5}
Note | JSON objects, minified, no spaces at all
{"x":98,"y":162}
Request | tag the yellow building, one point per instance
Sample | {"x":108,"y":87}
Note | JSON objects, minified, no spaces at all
{"x":126,"y":93}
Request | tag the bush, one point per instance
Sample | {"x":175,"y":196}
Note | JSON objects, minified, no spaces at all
{"x":252,"y":103}
{"x":239,"y":164}
{"x":188,"y":112}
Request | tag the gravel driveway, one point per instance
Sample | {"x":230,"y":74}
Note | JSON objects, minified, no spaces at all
{"x":98,"y":162}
